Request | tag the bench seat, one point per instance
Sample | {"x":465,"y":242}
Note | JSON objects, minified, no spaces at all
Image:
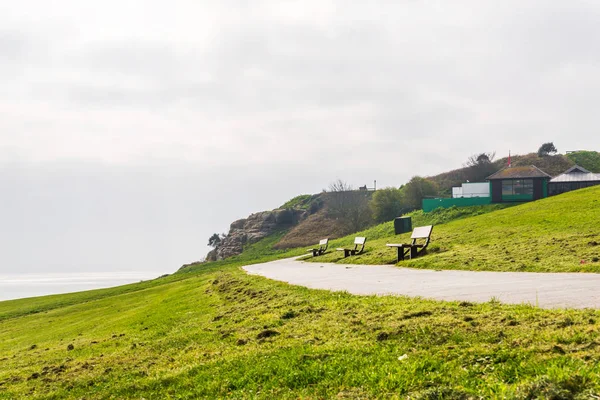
{"x":321,"y":249}
{"x":413,"y":249}
{"x":358,"y":241}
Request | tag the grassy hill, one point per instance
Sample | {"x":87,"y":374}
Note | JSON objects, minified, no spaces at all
{"x":557,"y":234}
{"x":212,"y":331}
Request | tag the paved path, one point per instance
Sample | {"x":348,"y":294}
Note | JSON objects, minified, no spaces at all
{"x":548,"y":290}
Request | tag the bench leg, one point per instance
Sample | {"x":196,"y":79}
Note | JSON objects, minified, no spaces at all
{"x":315,"y":253}
{"x":346,"y":253}
{"x":414,"y":252}
{"x":400,"y":254}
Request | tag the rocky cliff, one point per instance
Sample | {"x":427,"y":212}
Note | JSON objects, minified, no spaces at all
{"x":254,"y":228}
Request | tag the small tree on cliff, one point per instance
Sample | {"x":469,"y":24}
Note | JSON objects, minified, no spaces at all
{"x":215,"y":240}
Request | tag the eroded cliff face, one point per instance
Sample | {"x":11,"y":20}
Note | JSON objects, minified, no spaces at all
{"x":254,"y":228}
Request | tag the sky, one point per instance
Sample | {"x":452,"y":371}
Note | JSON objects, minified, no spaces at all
{"x":130,"y":131}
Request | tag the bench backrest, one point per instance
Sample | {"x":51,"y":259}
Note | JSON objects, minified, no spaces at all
{"x":323,"y":242}
{"x":360,"y":240}
{"x":422,"y":232}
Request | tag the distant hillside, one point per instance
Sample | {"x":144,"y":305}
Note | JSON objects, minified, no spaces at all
{"x":304,"y":220}
{"x":552,"y":165}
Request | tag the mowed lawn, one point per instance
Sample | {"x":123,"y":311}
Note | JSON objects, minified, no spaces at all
{"x":557,"y":234}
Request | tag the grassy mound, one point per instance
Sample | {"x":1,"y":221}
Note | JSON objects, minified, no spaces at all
{"x":557,"y":234}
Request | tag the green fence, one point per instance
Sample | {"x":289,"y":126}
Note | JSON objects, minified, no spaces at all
{"x":506,"y":198}
{"x":432,"y":204}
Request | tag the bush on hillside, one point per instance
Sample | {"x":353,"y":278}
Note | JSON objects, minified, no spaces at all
{"x":416,"y":190}
{"x":589,"y":160}
{"x":480,"y":166}
{"x":387,"y":204}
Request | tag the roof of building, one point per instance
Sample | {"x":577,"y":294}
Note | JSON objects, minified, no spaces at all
{"x":527,"y":172}
{"x":576,"y":174}
{"x":576,"y":169}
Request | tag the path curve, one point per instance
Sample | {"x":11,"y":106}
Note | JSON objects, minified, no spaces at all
{"x":547,"y":290}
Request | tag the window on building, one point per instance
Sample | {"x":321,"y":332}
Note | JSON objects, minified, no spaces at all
{"x":517,"y":187}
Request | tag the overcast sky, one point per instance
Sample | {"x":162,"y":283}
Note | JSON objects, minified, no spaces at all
{"x":132,"y":130}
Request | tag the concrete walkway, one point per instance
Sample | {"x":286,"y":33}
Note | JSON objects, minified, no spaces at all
{"x":547,"y":290}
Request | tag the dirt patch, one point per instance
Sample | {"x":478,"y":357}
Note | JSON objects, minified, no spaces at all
{"x":289,"y":315}
{"x":33,"y":376}
{"x":310,"y":231}
{"x":267,"y":333}
{"x":417,"y":314}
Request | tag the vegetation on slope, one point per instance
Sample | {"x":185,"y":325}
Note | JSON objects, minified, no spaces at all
{"x":589,"y":160}
{"x":310,"y":231}
{"x":557,"y":234}
{"x":217,"y":332}
{"x":304,"y":202}
{"x":552,"y":165}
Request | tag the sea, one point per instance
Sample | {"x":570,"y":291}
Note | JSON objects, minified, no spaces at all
{"x":17,"y":286}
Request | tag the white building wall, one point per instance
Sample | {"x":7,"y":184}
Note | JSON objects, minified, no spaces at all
{"x":478,"y":189}
{"x":457,"y":192}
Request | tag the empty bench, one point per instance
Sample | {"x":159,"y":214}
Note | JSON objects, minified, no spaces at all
{"x":358,"y":241}
{"x":321,"y":249}
{"x":414,"y":248}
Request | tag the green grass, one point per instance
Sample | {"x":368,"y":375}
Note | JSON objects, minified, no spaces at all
{"x":212,"y":331}
{"x":217,"y":332}
{"x":302,"y":201}
{"x":557,"y":234}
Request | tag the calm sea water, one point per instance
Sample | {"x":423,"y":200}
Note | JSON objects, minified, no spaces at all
{"x":16,"y":286}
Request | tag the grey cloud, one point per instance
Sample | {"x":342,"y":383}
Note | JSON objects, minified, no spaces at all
{"x":13,"y":45}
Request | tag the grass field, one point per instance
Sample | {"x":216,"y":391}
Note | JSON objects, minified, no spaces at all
{"x":211,"y":331}
{"x":217,"y":332}
{"x":557,"y":234}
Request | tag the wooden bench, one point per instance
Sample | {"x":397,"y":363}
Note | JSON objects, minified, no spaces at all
{"x":413,"y":249}
{"x":321,"y":249}
{"x":358,"y":241}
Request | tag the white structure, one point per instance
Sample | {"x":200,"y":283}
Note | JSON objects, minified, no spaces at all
{"x":478,"y":189}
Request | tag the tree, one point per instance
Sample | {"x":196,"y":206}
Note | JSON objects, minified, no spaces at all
{"x":547,"y":149}
{"x":349,"y":207}
{"x":480,"y":166}
{"x":386,"y":204}
{"x":339,"y":186}
{"x":215,"y":239}
{"x":481,"y":159}
{"x":416,"y":190}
